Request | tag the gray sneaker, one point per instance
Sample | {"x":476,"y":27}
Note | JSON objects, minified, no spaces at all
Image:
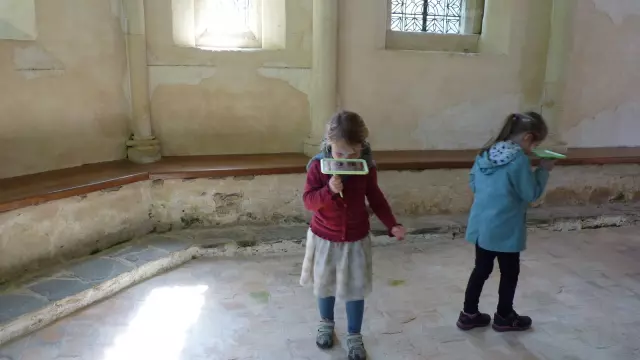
{"x":355,"y":347}
{"x":324,"y":338}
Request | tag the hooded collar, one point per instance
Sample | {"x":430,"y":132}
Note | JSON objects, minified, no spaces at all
{"x":499,"y":154}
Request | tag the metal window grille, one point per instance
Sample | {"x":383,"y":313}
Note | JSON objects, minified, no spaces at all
{"x":429,"y":16}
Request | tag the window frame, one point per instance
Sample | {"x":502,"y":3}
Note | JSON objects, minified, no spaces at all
{"x":203,"y":37}
{"x":18,"y":20}
{"x":467,"y":41}
{"x":270,"y":29}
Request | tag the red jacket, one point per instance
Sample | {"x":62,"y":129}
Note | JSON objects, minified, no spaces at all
{"x":344,"y":220}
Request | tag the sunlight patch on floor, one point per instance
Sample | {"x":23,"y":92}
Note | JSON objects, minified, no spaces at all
{"x":160,"y":328}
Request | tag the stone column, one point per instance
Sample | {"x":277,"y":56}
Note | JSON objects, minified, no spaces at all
{"x":324,"y":72}
{"x":557,"y":66}
{"x":143,"y":147}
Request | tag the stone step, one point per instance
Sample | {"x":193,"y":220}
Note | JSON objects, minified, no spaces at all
{"x":36,"y":301}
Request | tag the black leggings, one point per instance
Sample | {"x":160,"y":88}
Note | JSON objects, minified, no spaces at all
{"x":509,"y":270}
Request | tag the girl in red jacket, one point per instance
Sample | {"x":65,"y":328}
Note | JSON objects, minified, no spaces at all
{"x":338,"y":249}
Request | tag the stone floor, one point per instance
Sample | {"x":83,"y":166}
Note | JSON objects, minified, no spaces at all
{"x":581,"y":288}
{"x":35,"y":299}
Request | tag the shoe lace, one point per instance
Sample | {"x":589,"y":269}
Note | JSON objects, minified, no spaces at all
{"x":325,"y":329}
{"x":355,"y":343}
{"x":515,"y":319}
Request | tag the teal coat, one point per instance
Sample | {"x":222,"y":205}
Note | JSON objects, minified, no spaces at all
{"x":503,"y":186}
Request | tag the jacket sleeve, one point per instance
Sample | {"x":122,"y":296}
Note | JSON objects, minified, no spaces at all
{"x":529,"y":185}
{"x":316,"y":190}
{"x":472,"y":179}
{"x":378,"y":202}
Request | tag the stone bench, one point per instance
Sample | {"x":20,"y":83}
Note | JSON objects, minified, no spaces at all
{"x":28,"y":190}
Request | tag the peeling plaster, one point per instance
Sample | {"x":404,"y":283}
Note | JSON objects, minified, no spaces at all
{"x":232,"y":111}
{"x":35,"y":58}
{"x":117,"y":12}
{"x":178,"y":75}
{"x":300,"y":79}
{"x":474,"y":123}
{"x":269,"y":65}
{"x":618,"y":10}
{"x":64,"y":90}
{"x":115,"y":7}
{"x":36,"y":74}
{"x":35,"y":62}
{"x":612,"y":127}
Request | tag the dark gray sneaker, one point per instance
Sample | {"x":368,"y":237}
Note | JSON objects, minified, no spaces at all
{"x":324,"y":338}
{"x":468,"y":322}
{"x":355,"y":347}
{"x":513,"y":322}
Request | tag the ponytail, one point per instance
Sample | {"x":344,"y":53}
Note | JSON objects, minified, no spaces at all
{"x":516,"y":124}
{"x":504,"y":134}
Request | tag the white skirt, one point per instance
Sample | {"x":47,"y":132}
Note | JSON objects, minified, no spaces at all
{"x":340,"y":269}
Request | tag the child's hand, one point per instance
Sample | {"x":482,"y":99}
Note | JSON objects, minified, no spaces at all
{"x":547,"y":164}
{"x":399,"y":232}
{"x":335,"y":184}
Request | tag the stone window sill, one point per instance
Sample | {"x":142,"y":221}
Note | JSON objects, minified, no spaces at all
{"x":452,"y":43}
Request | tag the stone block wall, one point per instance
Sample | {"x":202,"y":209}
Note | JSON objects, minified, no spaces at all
{"x":39,"y":236}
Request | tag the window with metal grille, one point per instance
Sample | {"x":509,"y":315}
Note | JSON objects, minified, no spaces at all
{"x":428,"y":16}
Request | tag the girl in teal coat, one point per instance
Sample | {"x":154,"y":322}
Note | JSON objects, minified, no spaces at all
{"x":503,"y":186}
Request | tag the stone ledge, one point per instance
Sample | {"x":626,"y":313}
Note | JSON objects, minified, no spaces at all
{"x":34,"y":189}
{"x":40,"y":237}
{"x":33,"y":303}
{"x":28,"y":190}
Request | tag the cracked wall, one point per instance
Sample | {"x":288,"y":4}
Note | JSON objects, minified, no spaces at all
{"x":63,"y":102}
{"x":439,"y":100}
{"x":457,"y":101}
{"x":228,"y":110}
{"x":48,"y":234}
{"x":207,"y":102}
{"x":65,"y":99}
{"x":602,"y":98}
{"x":38,"y":236}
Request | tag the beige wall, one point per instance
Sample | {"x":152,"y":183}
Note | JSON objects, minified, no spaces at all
{"x":603,"y":81}
{"x":225,"y":102}
{"x":64,"y":96}
{"x":431,"y":100}
{"x":62,"y":99}
{"x":423,"y":100}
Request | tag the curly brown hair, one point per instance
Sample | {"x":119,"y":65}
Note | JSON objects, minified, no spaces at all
{"x":347,"y":126}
